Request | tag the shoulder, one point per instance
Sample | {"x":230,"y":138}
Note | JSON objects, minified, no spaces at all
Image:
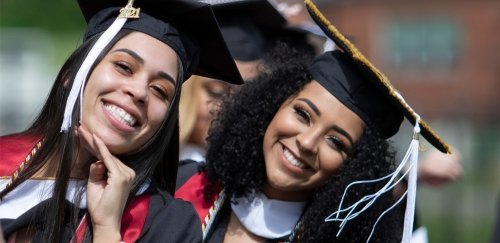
{"x":13,"y":150}
{"x":172,"y":219}
{"x":187,"y":169}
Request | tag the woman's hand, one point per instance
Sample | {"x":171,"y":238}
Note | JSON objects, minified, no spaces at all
{"x":108,"y":188}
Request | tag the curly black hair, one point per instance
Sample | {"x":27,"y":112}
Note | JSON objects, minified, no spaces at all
{"x":370,"y":158}
{"x":235,"y":157}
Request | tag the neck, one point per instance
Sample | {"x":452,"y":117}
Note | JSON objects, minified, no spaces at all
{"x":292,"y":196}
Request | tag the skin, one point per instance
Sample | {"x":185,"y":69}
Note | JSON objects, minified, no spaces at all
{"x":248,"y":69}
{"x":211,"y":92}
{"x":437,"y":169}
{"x":315,"y":129}
{"x":209,"y":95}
{"x":137,"y":75}
{"x":318,"y":130}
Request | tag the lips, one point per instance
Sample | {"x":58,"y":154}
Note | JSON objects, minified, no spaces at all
{"x":121,"y":115}
{"x":294,"y":160}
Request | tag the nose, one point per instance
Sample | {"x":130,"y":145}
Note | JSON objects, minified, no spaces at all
{"x":137,"y":90}
{"x":307,"y":141}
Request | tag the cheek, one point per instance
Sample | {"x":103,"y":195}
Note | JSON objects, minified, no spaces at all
{"x":100,"y":82}
{"x":203,"y":109}
{"x":330,"y":163}
{"x":157,"y":112}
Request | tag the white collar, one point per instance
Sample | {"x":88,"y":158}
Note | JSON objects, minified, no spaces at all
{"x":267,"y":218}
{"x":33,"y":191}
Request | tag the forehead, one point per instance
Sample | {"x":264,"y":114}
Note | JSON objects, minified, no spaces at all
{"x":331,"y":109}
{"x":141,"y":42}
{"x":154,"y":54}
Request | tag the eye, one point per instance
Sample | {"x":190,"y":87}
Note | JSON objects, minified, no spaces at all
{"x":302,"y":114}
{"x":160,"y":92}
{"x":123,"y":68}
{"x":336,"y":143}
{"x":216,"y":90}
{"x":216,"y":94}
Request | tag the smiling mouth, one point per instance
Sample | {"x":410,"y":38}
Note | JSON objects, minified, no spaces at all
{"x":294,"y":161}
{"x":121,"y":115}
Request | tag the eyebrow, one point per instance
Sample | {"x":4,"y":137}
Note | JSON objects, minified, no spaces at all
{"x":312,"y":105}
{"x":141,"y":61}
{"x":131,"y":53}
{"x":336,"y":128}
{"x":343,"y":132}
{"x":167,"y":77}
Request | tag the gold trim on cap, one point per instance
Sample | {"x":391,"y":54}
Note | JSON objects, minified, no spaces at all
{"x":349,"y":48}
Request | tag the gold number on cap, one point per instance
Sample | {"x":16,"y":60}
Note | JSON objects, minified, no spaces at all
{"x":129,"y":11}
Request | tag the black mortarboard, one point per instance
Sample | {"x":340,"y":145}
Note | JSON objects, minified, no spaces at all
{"x":356,"y":82}
{"x":188,"y":26}
{"x":245,"y":25}
{"x":359,"y":85}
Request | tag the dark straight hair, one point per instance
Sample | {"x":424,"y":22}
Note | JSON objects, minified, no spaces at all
{"x":157,"y":160}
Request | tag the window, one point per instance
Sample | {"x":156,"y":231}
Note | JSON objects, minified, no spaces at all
{"x":423,"y":44}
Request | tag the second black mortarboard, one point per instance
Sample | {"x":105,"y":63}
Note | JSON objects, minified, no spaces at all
{"x":246,"y":24}
{"x":362,"y":87}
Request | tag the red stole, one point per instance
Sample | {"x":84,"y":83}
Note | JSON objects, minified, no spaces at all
{"x":192,"y":191}
{"x":133,"y":220}
{"x":13,"y":150}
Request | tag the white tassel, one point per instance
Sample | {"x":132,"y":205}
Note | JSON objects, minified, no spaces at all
{"x":412,"y":186}
{"x":81,"y":75}
{"x":410,"y":162}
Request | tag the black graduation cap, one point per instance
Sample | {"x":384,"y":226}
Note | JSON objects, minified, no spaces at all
{"x":196,"y":36}
{"x":356,"y":82}
{"x":245,"y":25}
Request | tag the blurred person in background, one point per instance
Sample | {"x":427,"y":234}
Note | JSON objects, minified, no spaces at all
{"x":435,"y":170}
{"x":250,"y":29}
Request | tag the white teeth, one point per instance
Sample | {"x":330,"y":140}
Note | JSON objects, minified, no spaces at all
{"x":293,"y":160}
{"x":120,"y":114}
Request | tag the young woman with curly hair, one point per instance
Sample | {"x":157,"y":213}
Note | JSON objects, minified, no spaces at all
{"x":285,"y":147}
{"x":241,"y":156}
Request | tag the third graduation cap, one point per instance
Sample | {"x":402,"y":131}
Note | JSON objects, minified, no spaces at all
{"x":246,"y":25}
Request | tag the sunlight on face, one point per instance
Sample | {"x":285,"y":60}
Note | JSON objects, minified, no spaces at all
{"x":128,"y":94}
{"x":306,"y":142}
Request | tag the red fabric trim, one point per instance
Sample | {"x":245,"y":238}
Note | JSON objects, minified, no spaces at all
{"x":192,"y":191}
{"x":13,"y":151}
{"x":133,"y":220}
{"x":80,"y":231}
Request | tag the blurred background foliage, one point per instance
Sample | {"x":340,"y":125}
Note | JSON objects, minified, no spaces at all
{"x":60,"y":19}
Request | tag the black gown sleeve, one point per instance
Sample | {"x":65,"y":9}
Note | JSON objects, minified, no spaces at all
{"x":171,"y":220}
{"x":187,"y":168}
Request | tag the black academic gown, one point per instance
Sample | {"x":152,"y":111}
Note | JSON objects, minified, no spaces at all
{"x":167,"y":220}
{"x":216,"y":231}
